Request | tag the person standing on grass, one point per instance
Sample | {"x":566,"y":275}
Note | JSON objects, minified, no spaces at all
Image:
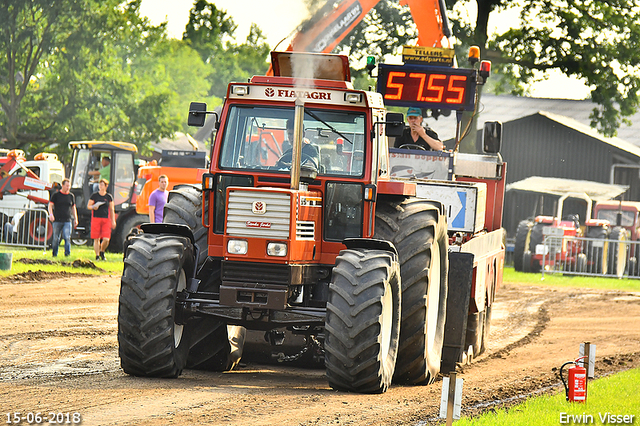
{"x":63,"y":214}
{"x":158,"y":199}
{"x":103,"y":218}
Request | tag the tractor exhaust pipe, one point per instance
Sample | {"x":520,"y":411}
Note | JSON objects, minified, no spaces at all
{"x":296,"y":152}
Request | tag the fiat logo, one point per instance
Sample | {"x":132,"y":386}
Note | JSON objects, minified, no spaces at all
{"x":269,"y":92}
{"x":259,"y":207}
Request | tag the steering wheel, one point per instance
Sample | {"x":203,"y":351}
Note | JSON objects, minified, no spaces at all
{"x":285,"y":160}
{"x":412,"y":146}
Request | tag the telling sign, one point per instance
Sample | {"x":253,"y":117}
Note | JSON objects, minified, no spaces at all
{"x":427,"y":86}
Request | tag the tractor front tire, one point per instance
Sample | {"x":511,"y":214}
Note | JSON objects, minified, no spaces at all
{"x":522,"y":238}
{"x":419,"y":232}
{"x":215,"y":346}
{"x":151,"y":339}
{"x":362,"y":325}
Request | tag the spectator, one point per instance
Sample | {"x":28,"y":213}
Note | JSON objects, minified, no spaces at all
{"x":63,"y":214}
{"x":103,"y":173}
{"x":103,"y":218}
{"x":158,"y":199}
{"x":415,"y":134}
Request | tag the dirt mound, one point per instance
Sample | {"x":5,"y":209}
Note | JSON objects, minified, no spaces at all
{"x":33,"y":276}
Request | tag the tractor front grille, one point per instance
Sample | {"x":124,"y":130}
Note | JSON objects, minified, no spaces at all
{"x":243,"y":222}
{"x":256,"y":273}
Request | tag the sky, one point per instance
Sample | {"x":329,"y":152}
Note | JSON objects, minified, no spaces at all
{"x":279,"y":18}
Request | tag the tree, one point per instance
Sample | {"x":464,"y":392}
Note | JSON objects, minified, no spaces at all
{"x":70,"y":74}
{"x":211,"y":32}
{"x":589,"y":39}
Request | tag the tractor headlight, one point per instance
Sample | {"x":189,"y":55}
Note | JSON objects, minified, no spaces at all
{"x":237,"y":247}
{"x":277,"y":249}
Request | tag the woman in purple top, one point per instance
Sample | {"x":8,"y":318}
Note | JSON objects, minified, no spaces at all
{"x":158,"y":199}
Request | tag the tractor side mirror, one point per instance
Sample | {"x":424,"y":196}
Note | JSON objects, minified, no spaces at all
{"x":492,"y":137}
{"x":394,"y":124}
{"x":197,"y":114}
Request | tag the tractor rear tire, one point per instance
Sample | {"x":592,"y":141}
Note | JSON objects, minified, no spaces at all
{"x":362,"y":325}
{"x":617,"y":252}
{"x":475,"y":332}
{"x":581,"y":263}
{"x":486,"y":329}
{"x":215,"y":346}
{"x":522,"y":237}
{"x":151,"y":341}
{"x":38,"y":230}
{"x":419,"y":232}
{"x":120,"y":235}
{"x":536,"y":238}
{"x":597,"y":261}
{"x":184,"y":207}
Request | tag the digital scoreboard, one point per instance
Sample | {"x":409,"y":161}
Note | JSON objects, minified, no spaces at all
{"x":428,"y":86}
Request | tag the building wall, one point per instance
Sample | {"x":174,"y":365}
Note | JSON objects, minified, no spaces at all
{"x":538,"y":146}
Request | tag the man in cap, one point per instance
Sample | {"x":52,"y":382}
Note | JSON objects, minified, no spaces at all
{"x":415,"y":134}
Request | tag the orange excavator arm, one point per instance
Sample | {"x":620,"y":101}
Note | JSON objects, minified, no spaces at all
{"x":430,"y":17}
{"x":329,"y":26}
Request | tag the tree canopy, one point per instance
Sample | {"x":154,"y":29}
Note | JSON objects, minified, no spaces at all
{"x":584,"y":39}
{"x":98,"y":70}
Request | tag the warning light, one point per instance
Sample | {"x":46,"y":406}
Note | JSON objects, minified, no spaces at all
{"x":474,"y":54}
{"x":371,"y":64}
{"x":485,"y":69}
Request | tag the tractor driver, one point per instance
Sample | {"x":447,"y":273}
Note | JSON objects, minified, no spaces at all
{"x":415,"y":134}
{"x":309,"y":151}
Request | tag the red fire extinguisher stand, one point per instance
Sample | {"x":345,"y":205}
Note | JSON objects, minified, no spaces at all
{"x":576,"y":388}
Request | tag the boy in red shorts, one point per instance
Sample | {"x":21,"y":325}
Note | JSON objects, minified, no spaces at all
{"x":103,"y":218}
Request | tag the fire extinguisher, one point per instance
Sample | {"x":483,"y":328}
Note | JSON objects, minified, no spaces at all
{"x":576,"y":389}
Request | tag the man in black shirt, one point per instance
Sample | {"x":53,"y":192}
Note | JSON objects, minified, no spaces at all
{"x":62,"y":212}
{"x":415,"y":134}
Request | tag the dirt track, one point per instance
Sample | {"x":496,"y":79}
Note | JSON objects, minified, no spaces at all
{"x":59,"y":354}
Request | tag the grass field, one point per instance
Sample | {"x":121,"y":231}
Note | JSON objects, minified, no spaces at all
{"x":558,"y":280}
{"x":616,"y":395}
{"x":83,"y":257}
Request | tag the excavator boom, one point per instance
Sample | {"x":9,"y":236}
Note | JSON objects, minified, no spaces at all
{"x":329,"y":26}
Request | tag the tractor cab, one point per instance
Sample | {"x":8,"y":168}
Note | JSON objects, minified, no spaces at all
{"x":90,"y":164}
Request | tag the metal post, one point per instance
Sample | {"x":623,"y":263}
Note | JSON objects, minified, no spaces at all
{"x":451,"y":397}
{"x":296,"y":151}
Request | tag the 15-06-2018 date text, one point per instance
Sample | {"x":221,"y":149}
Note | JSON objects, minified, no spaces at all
{"x":36,"y":418}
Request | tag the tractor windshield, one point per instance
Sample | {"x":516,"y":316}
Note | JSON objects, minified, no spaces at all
{"x":256,"y":138}
{"x":612,"y":216}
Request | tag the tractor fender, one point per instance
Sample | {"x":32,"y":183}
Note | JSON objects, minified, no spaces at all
{"x":455,"y":329}
{"x":173,"y":229}
{"x":370,"y":243}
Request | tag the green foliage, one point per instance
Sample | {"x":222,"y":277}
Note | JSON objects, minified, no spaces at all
{"x":587,"y":39}
{"x":615,"y":395}
{"x":79,"y":84}
{"x":383,"y":31}
{"x":96,"y":70}
{"x":211,"y":33}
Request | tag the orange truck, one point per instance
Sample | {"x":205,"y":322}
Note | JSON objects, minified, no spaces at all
{"x":180,"y":167}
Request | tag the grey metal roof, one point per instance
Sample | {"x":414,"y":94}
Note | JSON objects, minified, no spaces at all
{"x":557,"y":186}
{"x":507,"y":108}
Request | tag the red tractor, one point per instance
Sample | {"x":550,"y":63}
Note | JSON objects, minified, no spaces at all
{"x":571,"y":245}
{"x":299,"y":229}
{"x":625,"y":217}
